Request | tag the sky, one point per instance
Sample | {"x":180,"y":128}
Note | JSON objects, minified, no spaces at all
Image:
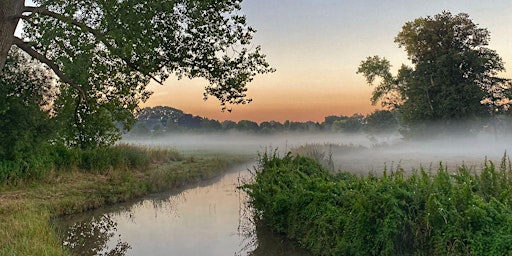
{"x":317,"y":45}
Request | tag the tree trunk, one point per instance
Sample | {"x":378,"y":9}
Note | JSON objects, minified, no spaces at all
{"x":10,"y":11}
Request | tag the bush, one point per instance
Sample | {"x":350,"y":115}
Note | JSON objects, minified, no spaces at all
{"x":422,"y":214}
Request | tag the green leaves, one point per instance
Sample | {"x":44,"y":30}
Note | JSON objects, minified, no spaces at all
{"x":156,"y":39}
{"x":107,"y":52}
{"x":25,"y":97}
{"x":421,"y":213}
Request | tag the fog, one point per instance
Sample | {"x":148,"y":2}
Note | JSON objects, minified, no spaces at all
{"x":245,"y":143}
{"x":359,"y":153}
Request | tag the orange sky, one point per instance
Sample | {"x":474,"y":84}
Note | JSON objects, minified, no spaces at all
{"x":316,"y":47}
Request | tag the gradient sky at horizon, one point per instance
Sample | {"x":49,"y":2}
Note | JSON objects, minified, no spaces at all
{"x":316,"y":47}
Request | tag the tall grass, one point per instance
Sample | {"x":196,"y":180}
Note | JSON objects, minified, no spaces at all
{"x":58,"y":158}
{"x":423,"y":213}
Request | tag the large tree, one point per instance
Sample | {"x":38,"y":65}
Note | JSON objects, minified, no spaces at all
{"x":453,"y":75}
{"x":106,"y":52}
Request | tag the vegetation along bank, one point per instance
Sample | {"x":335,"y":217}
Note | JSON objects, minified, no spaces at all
{"x":423,"y":213}
{"x":79,"y":180}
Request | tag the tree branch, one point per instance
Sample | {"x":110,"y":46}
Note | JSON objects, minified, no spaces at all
{"x":64,"y":18}
{"x":25,"y":47}
{"x":98,"y":34}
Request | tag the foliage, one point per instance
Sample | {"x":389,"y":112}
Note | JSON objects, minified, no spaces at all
{"x":248,"y":125}
{"x":105,"y":53}
{"x":442,"y":213}
{"x":124,"y":44}
{"x":161,"y":120}
{"x":453,"y":77}
{"x":381,"y":121}
{"x":352,"y":124}
{"x":25,"y":124}
{"x":99,"y":160}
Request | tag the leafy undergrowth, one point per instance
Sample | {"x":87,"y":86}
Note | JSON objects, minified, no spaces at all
{"x":423,"y":213}
{"x":90,"y":180}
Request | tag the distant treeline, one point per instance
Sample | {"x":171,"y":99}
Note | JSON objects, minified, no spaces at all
{"x":162,"y":120}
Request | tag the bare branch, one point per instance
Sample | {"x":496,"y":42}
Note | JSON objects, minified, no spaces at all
{"x":25,"y":47}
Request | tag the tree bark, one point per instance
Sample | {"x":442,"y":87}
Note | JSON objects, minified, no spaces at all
{"x":10,"y":13}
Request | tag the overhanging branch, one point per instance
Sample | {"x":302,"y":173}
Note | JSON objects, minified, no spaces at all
{"x":100,"y":36}
{"x":64,"y":18}
{"x":25,"y":47}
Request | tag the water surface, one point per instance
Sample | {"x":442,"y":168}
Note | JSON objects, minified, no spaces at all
{"x":210,"y":218}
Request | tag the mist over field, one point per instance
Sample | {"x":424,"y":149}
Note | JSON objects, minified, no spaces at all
{"x":451,"y":151}
{"x":249,"y":143}
{"x":359,"y":153}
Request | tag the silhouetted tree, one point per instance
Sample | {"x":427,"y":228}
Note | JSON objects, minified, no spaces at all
{"x":228,"y":125}
{"x":210,"y":125}
{"x":271,"y":127}
{"x":381,"y":121}
{"x":453,"y":77}
{"x":247,"y":125}
{"x":189,"y":121}
{"x":353,"y":124}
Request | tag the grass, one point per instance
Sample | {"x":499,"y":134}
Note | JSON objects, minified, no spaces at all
{"x":91,"y":179}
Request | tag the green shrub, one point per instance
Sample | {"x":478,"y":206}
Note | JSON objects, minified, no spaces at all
{"x":424,"y":213}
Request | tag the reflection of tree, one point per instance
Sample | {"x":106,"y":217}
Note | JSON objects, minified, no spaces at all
{"x":92,"y":237}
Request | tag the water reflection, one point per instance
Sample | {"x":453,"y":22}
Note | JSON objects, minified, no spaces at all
{"x":92,"y":237}
{"x":209,"y":219}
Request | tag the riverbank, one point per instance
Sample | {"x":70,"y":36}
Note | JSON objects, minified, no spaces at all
{"x":426,"y":212}
{"x":27,"y":208}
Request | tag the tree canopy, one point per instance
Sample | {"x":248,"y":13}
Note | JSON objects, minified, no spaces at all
{"x":105,"y":53}
{"x":454,"y":76}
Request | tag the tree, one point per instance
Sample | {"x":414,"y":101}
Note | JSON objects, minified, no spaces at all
{"x":210,"y":125}
{"x":271,"y":127}
{"x":453,"y":77}
{"x":167,"y":116}
{"x":352,"y":124}
{"x":25,"y":124}
{"x":247,"y":125}
{"x":228,"y":125}
{"x":106,"y":52}
{"x":381,"y":121}
{"x":329,"y":121}
{"x":190,"y":121}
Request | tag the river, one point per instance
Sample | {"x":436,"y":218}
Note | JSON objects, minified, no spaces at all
{"x":209,"y":218}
